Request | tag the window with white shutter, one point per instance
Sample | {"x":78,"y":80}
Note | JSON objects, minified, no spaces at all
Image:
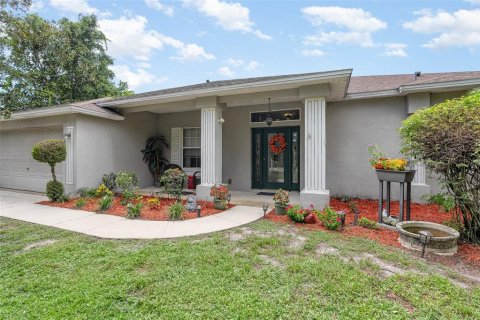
{"x":176,"y":145}
{"x":185,"y":147}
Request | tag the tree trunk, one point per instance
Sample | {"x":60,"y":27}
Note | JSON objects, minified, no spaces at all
{"x":52,"y":169}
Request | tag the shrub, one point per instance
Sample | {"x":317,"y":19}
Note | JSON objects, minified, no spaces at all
{"x":366,"y":223}
{"x":55,"y":191}
{"x":446,"y":202}
{"x":51,"y":152}
{"x":109,"y":180}
{"x":175,"y":212}
{"x":102,"y":190}
{"x":329,"y":218}
{"x":80,"y":203}
{"x":446,"y":138}
{"x":127,"y":182}
{"x":219,"y":191}
{"x":172,"y":181}
{"x":153,"y":155}
{"x":134,"y":210}
{"x":295,"y":213}
{"x":281,"y":198}
{"x":105,"y":202}
{"x":87,"y":192}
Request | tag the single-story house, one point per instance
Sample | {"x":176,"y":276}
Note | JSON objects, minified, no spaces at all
{"x":325,"y":120}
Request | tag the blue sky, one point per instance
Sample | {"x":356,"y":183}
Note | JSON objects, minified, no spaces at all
{"x":158,"y":44}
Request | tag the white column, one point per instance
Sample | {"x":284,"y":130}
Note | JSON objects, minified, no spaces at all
{"x":211,"y":150}
{"x":315,"y":191}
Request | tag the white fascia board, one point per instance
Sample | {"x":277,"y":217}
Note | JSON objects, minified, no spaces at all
{"x":231,"y":88}
{"x":439,"y":85}
{"x":372,"y":94}
{"x":47,"y":112}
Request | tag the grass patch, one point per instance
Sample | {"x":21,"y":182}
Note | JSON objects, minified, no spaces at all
{"x":255,"y":276}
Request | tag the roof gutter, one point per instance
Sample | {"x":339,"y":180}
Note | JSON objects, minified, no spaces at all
{"x":69,"y":109}
{"x":225,"y":89}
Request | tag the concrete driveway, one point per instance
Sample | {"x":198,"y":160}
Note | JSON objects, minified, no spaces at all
{"x":22,"y":206}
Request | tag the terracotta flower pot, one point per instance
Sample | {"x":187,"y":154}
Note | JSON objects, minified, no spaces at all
{"x":310,"y":218}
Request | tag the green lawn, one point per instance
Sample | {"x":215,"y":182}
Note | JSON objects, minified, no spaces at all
{"x":261,"y":271}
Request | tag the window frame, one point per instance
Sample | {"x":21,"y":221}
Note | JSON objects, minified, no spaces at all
{"x":190,"y":148}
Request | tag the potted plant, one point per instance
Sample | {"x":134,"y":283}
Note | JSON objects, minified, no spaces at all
{"x":153,"y":157}
{"x":219,"y":192}
{"x":389,"y":169}
{"x":281,"y":201}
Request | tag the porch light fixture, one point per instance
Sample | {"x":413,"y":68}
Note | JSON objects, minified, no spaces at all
{"x":229,"y":198}
{"x":66,"y":135}
{"x":425,"y":238}
{"x":269,"y":117}
{"x":265,"y":208}
{"x":341,"y":216}
{"x":199,"y":211}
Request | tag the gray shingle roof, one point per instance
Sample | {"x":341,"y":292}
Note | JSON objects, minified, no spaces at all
{"x":388,"y":82}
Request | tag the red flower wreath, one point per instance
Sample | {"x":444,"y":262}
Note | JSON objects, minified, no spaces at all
{"x":277,"y":143}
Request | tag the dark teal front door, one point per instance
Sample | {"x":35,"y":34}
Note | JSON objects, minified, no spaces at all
{"x":273,"y":171}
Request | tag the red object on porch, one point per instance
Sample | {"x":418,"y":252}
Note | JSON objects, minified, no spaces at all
{"x":193,"y":180}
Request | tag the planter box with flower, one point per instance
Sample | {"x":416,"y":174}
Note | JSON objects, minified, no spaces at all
{"x":389,"y":169}
{"x":219,"y":192}
{"x":281,"y":201}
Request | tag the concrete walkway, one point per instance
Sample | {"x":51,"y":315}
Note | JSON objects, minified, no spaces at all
{"x":21,"y":206}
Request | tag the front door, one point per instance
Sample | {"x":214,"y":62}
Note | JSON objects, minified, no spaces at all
{"x":276,"y":158}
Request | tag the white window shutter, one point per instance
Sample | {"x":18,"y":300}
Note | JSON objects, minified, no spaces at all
{"x":176,"y":146}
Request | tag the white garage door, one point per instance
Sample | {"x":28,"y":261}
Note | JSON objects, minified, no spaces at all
{"x":18,"y":170}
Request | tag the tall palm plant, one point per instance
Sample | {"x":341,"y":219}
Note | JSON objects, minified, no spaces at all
{"x":153,"y":156}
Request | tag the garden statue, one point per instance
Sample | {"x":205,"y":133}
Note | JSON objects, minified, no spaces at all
{"x":192,"y":203}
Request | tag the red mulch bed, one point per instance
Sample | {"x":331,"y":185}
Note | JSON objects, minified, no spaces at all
{"x":369,"y":208}
{"x":159,"y":213}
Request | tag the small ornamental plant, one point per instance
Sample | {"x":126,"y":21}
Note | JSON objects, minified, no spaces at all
{"x":330,"y":219}
{"x":103,"y":190}
{"x":175,"y":212}
{"x":105,"y":203}
{"x":153,"y":203}
{"x":134,"y":210}
{"x":51,"y":152}
{"x":219,"y":191}
{"x":172,"y":181}
{"x":379,"y":160}
{"x":298,"y":214}
{"x":80,"y":203}
{"x":281,"y":198}
{"x":366,"y":223}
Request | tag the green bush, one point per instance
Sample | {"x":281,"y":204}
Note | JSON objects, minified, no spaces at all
{"x":105,"y":202}
{"x":109,"y":180}
{"x":172,"y":181}
{"x":446,"y":138}
{"x":51,"y":152}
{"x":175,"y":212}
{"x":366,"y":223}
{"x":446,"y":202}
{"x":134,"y":210}
{"x":80,"y":203}
{"x":55,"y":191}
{"x":87,"y":192}
{"x":102,"y":190}
{"x":126,"y":180}
{"x":296,"y":213}
{"x":329,"y":218}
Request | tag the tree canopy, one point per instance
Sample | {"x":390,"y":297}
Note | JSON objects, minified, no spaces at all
{"x":45,"y":63}
{"x":446,"y":137}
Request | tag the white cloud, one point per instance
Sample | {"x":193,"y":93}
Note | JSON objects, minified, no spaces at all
{"x":77,"y":7}
{"x":458,"y":29}
{"x":313,"y":53}
{"x":36,"y":6}
{"x":129,"y":38}
{"x":252,"y":65}
{"x":473,"y":1}
{"x":157,"y":5}
{"x":393,"y":49}
{"x":144,"y":65}
{"x":192,"y":52}
{"x":230,"y":16}
{"x":136,"y":78}
{"x":225,"y":71}
{"x":356,"y":25}
{"x":235,"y":62}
